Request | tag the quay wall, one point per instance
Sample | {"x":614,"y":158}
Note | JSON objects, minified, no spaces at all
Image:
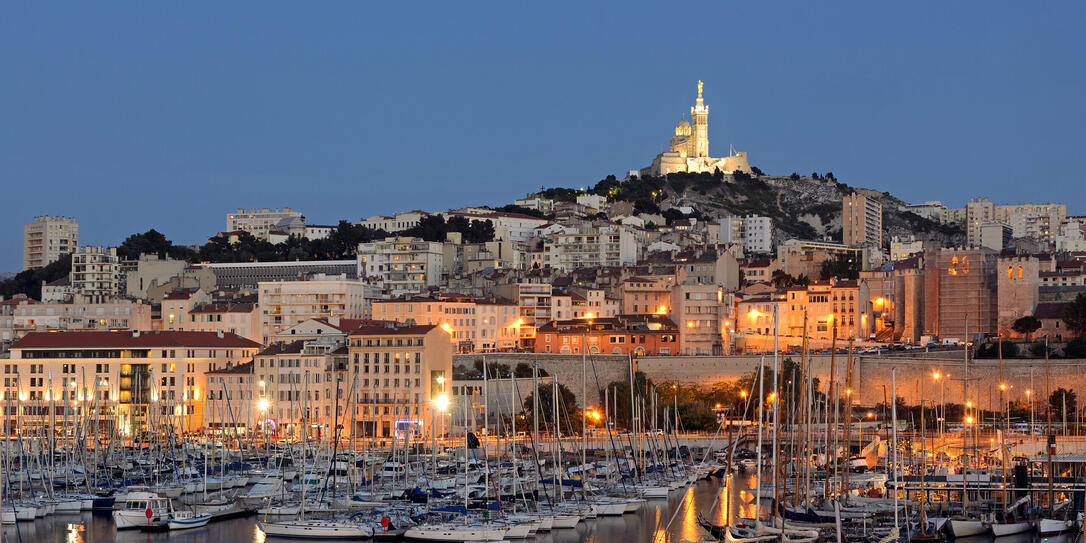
{"x":566,"y":368}
{"x":870,"y":373}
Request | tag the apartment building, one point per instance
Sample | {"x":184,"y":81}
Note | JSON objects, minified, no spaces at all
{"x":534,"y":308}
{"x":296,"y":385}
{"x":250,"y":274}
{"x":284,"y":304}
{"x":261,"y":222}
{"x":80,"y":314}
{"x":395,"y":223}
{"x":46,"y":239}
{"x":241,"y":318}
{"x":176,"y":305}
{"x":803,"y":257}
{"x":399,"y":370}
{"x":592,"y":246}
{"x":645,"y":295}
{"x":507,"y":226}
{"x":1038,"y":221}
{"x":400,"y":265}
{"x":622,"y":334}
{"x":753,"y":232}
{"x":827,"y":304}
{"x":582,"y":303}
{"x":473,"y":324}
{"x":112,"y":380}
{"x":96,"y":272}
{"x":861,"y":221}
{"x":700,"y":311}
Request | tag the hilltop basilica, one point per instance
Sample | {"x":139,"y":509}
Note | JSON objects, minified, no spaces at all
{"x":688,"y":150}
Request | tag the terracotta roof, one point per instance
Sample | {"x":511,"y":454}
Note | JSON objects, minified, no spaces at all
{"x":224,"y":307}
{"x":180,"y":294}
{"x":411,"y":330}
{"x":16,"y":301}
{"x":245,"y":369}
{"x":1050,"y":310}
{"x":348,"y":325}
{"x":635,"y":322}
{"x":116,"y":340}
{"x":292,"y":347}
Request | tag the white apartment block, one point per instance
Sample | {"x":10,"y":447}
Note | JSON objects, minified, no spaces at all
{"x":260,"y":222}
{"x":46,"y":239}
{"x":395,"y":223}
{"x":932,"y":210}
{"x":400,"y":265}
{"x":96,"y":272}
{"x":80,"y":314}
{"x":507,"y":226}
{"x":284,"y":304}
{"x":591,"y":247}
{"x":753,"y":232}
{"x":1037,"y":221}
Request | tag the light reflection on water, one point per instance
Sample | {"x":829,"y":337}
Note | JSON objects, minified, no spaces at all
{"x":656,"y":522}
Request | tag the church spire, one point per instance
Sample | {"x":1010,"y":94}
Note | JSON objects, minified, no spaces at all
{"x":700,"y":102}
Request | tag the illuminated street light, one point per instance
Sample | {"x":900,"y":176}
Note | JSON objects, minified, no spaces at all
{"x":262,"y":405}
{"x":441,"y":402}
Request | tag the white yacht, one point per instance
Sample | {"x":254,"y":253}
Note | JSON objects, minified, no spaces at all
{"x":142,"y":509}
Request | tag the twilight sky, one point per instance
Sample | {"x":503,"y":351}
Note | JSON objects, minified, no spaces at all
{"x":170,"y":115}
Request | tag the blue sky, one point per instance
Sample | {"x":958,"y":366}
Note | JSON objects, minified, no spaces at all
{"x":171,"y":115}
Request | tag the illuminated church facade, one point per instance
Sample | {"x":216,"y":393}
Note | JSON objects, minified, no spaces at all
{"x":688,"y":150}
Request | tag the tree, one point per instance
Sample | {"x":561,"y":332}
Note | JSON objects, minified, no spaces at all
{"x":524,"y":370}
{"x":1056,"y":402}
{"x":619,"y":393}
{"x":1076,"y":348}
{"x":757,"y":170}
{"x":841,"y":267}
{"x":1027,"y":325}
{"x":569,"y":412}
{"x":1038,"y":349}
{"x":479,"y":232}
{"x":1075,"y":315}
{"x":991,"y":349}
{"x":29,"y":281}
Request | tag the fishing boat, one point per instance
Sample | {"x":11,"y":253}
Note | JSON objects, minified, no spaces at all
{"x":186,"y":520}
{"x":1049,"y":527}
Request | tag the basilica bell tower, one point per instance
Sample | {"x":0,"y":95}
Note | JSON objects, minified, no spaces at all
{"x":699,"y":114}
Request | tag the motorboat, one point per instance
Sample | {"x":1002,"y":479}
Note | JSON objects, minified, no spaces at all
{"x":186,"y":520}
{"x":142,"y":509}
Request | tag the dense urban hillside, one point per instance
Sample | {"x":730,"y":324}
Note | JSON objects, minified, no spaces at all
{"x":806,"y":207}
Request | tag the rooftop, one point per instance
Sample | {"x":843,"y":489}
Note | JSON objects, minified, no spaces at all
{"x":126,"y":339}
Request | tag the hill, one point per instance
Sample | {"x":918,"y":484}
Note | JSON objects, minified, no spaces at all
{"x":807,"y":207}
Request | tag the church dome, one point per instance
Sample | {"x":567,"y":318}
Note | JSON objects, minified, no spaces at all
{"x":683,"y":128}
